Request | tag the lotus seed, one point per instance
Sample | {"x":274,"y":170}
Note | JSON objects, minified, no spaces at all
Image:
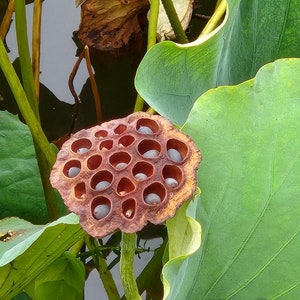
{"x":129,"y":213}
{"x":145,"y":130}
{"x":152,"y":199}
{"x":82,"y":150}
{"x":73,"y":171}
{"x":120,"y":166}
{"x":140,"y":176}
{"x":174,"y":155}
{"x":101,"y":211}
{"x":171,"y":182}
{"x":151,"y":154}
{"x":102,"y":185}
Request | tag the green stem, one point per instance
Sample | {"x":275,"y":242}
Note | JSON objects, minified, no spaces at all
{"x":152,"y":26}
{"x":126,"y":264}
{"x":152,"y":31}
{"x":45,"y":154}
{"x":105,"y":275}
{"x":175,"y":22}
{"x":215,"y":19}
{"x":25,"y":60}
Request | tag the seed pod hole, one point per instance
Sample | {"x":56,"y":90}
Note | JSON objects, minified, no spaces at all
{"x":101,"y":134}
{"x":142,"y":170}
{"x":120,"y":129}
{"x":126,"y":140}
{"x":149,"y":149}
{"x":154,"y":193}
{"x":101,"y":208}
{"x":101,"y":180}
{"x":125,"y":186}
{"x":172,"y":175}
{"x":72,"y":168}
{"x":120,"y":160}
{"x":94,"y":162}
{"x":106,"y":145}
{"x":128,"y":208}
{"x":177,"y":150}
{"x":81,"y":146}
{"x":79,"y":190}
{"x":147,"y":126}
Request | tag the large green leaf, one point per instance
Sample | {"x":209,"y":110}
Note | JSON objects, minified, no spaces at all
{"x":64,"y":278}
{"x":29,"y":249}
{"x":171,"y":77}
{"x":250,"y":186}
{"x":21,"y":191}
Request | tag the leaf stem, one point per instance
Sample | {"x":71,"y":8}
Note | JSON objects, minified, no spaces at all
{"x":215,"y":19}
{"x":126,"y":266}
{"x":104,"y":273}
{"x":175,"y":22}
{"x":36,"y":45}
{"x":45,"y":154}
{"x":7,"y":19}
{"x":25,"y":61}
{"x":152,"y":31}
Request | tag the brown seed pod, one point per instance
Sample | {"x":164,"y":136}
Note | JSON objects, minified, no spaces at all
{"x":126,"y":172}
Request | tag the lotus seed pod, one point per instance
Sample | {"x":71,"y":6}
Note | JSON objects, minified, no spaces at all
{"x":73,"y":171}
{"x":145,"y":130}
{"x":174,"y":155}
{"x":151,"y":154}
{"x":102,"y":185}
{"x":101,"y":211}
{"x":152,"y":199}
{"x":82,"y":150}
{"x":171,"y":182}
{"x":140,"y":176}
{"x":126,"y":172}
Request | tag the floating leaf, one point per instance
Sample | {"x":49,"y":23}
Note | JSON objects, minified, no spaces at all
{"x":249,"y":207}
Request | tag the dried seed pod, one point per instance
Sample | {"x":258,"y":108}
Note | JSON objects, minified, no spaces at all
{"x":125,"y":173}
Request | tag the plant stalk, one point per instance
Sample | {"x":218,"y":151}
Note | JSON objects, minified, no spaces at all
{"x":175,"y":22}
{"x":104,"y":273}
{"x":45,"y":154}
{"x":152,"y":31}
{"x":126,"y":266}
{"x":25,"y":60}
{"x":215,"y":19}
{"x":36,"y":45}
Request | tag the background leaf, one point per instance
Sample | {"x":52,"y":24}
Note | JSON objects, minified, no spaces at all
{"x":31,"y":249}
{"x":171,"y":77}
{"x":65,"y":277}
{"x":249,"y":177}
{"x":20,"y":184}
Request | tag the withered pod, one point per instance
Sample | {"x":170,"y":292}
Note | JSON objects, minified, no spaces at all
{"x":126,"y":172}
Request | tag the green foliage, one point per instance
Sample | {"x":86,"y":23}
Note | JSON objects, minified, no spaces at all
{"x":249,"y":208}
{"x":65,"y":277}
{"x":171,"y":76}
{"x":248,"y":211}
{"x":20,"y":183}
{"x":31,"y":249}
